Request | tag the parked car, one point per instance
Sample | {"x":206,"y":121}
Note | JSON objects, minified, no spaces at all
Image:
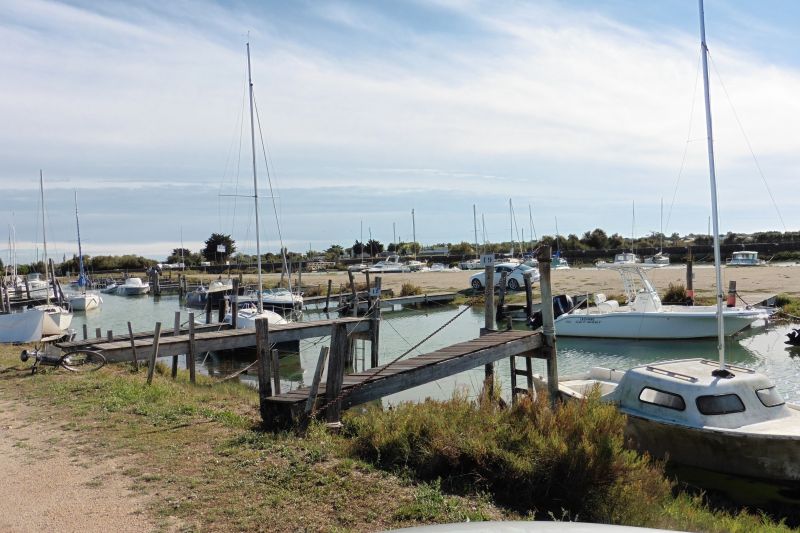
{"x":514,"y":276}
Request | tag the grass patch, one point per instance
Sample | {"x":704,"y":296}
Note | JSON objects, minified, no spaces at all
{"x":790,"y":305}
{"x":409,"y":289}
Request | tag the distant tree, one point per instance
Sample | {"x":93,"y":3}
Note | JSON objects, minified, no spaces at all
{"x":212,"y":243}
{"x":180,"y":255}
{"x":674,"y":239}
{"x":358,"y":248}
{"x":392,"y":248}
{"x":408,"y":248}
{"x":462,"y":249}
{"x":596,"y":239}
{"x":334,"y":252}
{"x":615,"y":241}
{"x":374,"y":247}
{"x":572,"y":242}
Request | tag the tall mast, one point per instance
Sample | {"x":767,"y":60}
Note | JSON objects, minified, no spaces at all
{"x":44,"y":237}
{"x":255,"y":184}
{"x":633,"y":221}
{"x":511,"y":217}
{"x":414,"y":233}
{"x":81,"y":276}
{"x":662,"y":226}
{"x":558,"y":249}
{"x":483,"y":225}
{"x":532,"y":227}
{"x":713,"y":184}
{"x":475,"y":228}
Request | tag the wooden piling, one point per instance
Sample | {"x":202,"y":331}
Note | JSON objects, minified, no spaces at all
{"x":354,"y":293}
{"x":328,"y":295}
{"x":375,"y":330}
{"x":548,"y":326}
{"x":222,"y":309}
{"x":501,"y":296}
{"x":190,"y":357}
{"x":133,"y":348}
{"x":528,"y":295}
{"x":312,"y":395}
{"x":98,"y":333}
{"x":176,"y":330}
{"x":732,"y":293}
{"x":235,"y":304}
{"x":262,"y":352}
{"x":208,"y":309}
{"x":85,"y":332}
{"x":488,"y":278}
{"x":336,"y":362}
{"x":110,"y":335}
{"x":28,"y":288}
{"x":153,"y":356}
{"x":689,"y":278}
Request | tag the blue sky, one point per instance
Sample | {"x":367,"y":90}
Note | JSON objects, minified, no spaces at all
{"x":370,"y":109}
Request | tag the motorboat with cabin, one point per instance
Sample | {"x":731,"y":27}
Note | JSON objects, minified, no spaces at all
{"x":133,"y":287}
{"x":278,"y":299}
{"x":645,"y":317}
{"x":391,"y":264}
{"x":625,"y":258}
{"x":215,"y":290}
{"x":679,"y":409}
{"x":745,"y":258}
{"x":659,"y":259}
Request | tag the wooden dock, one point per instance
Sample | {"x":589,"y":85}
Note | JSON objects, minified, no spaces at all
{"x":287,"y":409}
{"x":213,"y":337}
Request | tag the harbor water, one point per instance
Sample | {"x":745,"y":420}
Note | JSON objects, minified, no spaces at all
{"x":760,"y":348}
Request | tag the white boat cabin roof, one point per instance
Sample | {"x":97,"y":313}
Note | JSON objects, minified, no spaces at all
{"x":686,"y":392}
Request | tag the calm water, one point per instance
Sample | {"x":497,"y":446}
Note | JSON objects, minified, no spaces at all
{"x":762,"y":349}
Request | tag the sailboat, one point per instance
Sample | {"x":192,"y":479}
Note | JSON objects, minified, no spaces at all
{"x":557,"y":262}
{"x":660,"y":258}
{"x":698,"y":412}
{"x":247,"y":316}
{"x":84,"y":300}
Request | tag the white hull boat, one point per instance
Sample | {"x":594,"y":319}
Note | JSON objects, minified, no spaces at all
{"x":278,"y":299}
{"x":199,"y":296}
{"x":644,"y":317}
{"x":392,"y":264}
{"x":133,"y":287}
{"x":246,"y":318}
{"x":22,"y":327}
{"x":85,"y":302}
{"x":678,"y":410}
{"x":56,"y":320}
{"x":745,"y":259}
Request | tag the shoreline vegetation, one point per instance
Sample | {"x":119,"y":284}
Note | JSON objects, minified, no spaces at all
{"x":200,"y":456}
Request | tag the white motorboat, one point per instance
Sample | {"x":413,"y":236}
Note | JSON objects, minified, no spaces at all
{"x":391,"y":264}
{"x":360,"y":267}
{"x":645,"y":317}
{"x":625,"y":258}
{"x":701,"y":413}
{"x":133,"y":287}
{"x":111,"y":288}
{"x":84,"y":300}
{"x":438,"y":267}
{"x":247,"y":316}
{"x":680,"y":410}
{"x":277,"y":299}
{"x":659,"y":259}
{"x":745,"y":258}
{"x":199,"y":296}
{"x":416,"y":266}
{"x":471,"y":264}
{"x":558,"y":263}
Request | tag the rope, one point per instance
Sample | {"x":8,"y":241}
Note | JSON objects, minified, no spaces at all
{"x":239,"y":372}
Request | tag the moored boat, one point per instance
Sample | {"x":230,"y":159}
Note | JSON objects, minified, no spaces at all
{"x":133,"y":287}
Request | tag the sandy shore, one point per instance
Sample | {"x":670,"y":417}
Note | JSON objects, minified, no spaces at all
{"x":753,"y":283}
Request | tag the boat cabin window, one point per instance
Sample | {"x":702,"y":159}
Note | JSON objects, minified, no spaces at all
{"x":720,"y":405}
{"x":770,"y":397}
{"x":661,"y":398}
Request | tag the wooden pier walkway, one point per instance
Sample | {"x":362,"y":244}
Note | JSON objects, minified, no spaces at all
{"x":214,"y":337}
{"x":286,"y":409}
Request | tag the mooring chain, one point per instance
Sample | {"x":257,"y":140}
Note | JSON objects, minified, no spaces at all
{"x":343,"y":393}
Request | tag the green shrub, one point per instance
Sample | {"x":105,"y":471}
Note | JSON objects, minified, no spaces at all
{"x":676,"y":294}
{"x":529,"y":458}
{"x":409,"y":289}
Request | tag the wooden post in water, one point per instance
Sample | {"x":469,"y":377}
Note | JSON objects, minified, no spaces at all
{"x":548,"y":325}
{"x":328,"y":295}
{"x":28,"y":288}
{"x":190,"y":357}
{"x":354,"y":292}
{"x":528,"y":294}
{"x":501,"y":296}
{"x":299,"y":275}
{"x":488,"y":326}
{"x":153,"y":356}
{"x":336,"y":362}
{"x":369,"y":294}
{"x":85,"y":332}
{"x":732,"y":293}
{"x":110,"y":336}
{"x":222,"y":310}
{"x":375,"y":330}
{"x":262,"y":353}
{"x":312,"y":393}
{"x":176,"y":330}
{"x":133,"y":348}
{"x":276,"y":371}
{"x":235,"y":304}
{"x":208,"y":309}
{"x":98,"y":333}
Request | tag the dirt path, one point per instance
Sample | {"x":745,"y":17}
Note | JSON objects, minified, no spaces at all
{"x":48,"y":486}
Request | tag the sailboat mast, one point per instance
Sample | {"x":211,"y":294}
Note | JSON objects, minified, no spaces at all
{"x":661,"y":223}
{"x":414,"y":233}
{"x":558,"y":249}
{"x":533,"y":228}
{"x":44,"y":237}
{"x":81,"y":277}
{"x":713,"y":185}
{"x":511,"y":217}
{"x":255,"y":184}
{"x":475,"y":227}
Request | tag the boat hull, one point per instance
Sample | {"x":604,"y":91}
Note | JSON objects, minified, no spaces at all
{"x":652,"y":325}
{"x":771,"y":457}
{"x":122,"y":290}
{"x":85,"y":302}
{"x":22,"y":327}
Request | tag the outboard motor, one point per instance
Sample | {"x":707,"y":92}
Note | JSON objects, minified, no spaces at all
{"x":562,"y":304}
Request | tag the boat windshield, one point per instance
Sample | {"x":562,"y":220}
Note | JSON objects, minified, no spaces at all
{"x":720,"y":405}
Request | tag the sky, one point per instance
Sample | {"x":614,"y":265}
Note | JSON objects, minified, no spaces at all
{"x":585,"y":114}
